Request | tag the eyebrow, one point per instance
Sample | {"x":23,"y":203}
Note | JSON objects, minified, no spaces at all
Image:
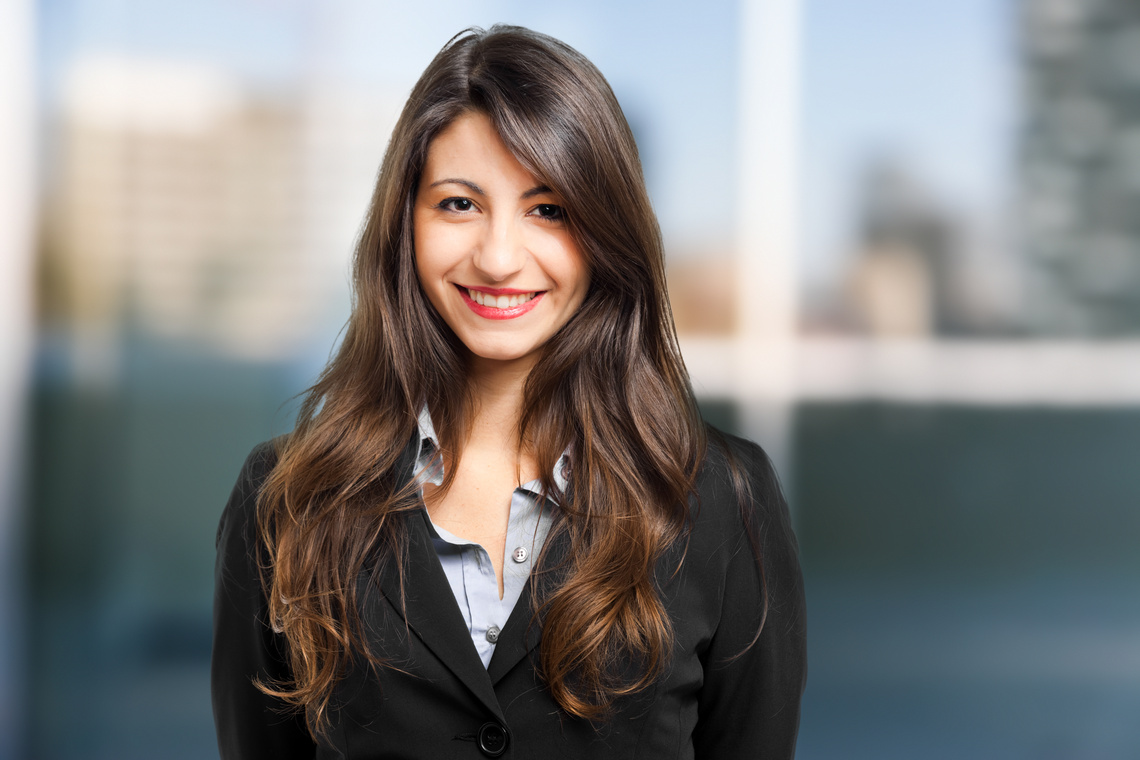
{"x":470,"y":185}
{"x":539,"y":190}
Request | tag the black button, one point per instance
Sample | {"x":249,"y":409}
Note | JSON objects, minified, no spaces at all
{"x":492,"y":739}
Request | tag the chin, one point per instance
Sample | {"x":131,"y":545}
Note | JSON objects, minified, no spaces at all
{"x":504,"y":356}
{"x":500,"y":353}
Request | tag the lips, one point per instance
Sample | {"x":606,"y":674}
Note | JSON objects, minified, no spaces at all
{"x":494,"y":303}
{"x":503,"y":301}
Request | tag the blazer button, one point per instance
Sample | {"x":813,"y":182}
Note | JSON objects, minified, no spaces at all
{"x":492,"y":739}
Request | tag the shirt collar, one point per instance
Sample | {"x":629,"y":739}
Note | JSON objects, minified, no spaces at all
{"x":427,"y":429}
{"x":429,"y":465}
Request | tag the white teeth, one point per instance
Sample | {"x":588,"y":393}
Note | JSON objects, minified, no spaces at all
{"x":500,"y":302}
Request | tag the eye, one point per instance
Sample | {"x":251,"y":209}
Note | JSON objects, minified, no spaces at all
{"x":461,"y":205}
{"x":550,"y":212}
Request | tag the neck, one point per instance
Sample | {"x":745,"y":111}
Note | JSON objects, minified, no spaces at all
{"x":497,"y":392}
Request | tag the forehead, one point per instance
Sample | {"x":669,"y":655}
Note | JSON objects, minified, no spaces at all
{"x":470,"y":148}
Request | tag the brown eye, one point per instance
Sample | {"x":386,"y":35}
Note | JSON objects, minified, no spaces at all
{"x":456,"y":204}
{"x":549,"y":211}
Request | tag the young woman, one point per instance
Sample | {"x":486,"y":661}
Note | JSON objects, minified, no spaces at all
{"x":500,"y":527}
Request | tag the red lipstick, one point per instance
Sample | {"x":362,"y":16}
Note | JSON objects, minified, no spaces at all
{"x":489,"y":312}
{"x":498,"y":291}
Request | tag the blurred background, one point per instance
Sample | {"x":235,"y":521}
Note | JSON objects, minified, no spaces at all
{"x":904,"y":256}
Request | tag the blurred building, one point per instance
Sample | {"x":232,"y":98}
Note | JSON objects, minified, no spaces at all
{"x":899,"y":284}
{"x":701,"y":303}
{"x":189,"y":210}
{"x":1080,"y":165}
{"x":912,"y":272}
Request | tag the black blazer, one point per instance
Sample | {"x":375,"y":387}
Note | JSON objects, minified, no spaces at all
{"x":713,"y":702}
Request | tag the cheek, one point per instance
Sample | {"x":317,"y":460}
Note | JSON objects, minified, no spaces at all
{"x":427,"y":255}
{"x":578,"y":273}
{"x":564,"y":263}
{"x":438,"y":248}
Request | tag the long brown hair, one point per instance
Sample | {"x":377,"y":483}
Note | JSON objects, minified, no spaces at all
{"x":610,"y":384}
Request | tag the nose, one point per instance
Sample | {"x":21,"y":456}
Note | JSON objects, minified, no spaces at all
{"x":501,"y":251}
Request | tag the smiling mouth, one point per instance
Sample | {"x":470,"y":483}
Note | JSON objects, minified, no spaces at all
{"x":505,"y":301}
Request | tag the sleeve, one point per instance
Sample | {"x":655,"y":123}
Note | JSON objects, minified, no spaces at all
{"x":749,"y":704}
{"x":249,"y":723}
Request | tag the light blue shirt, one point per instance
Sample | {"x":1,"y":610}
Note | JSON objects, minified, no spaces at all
{"x":467,"y":564}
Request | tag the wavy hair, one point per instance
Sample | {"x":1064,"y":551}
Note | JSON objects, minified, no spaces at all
{"x":610,"y":384}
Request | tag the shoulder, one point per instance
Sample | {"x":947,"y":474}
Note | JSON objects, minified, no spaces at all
{"x":262,"y":459}
{"x":725,"y":449}
{"x":737,"y":482}
{"x":257,"y":467}
{"x":240,"y":513}
{"x":739,"y":512}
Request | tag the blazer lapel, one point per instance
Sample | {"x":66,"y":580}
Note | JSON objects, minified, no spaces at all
{"x":428,"y":606}
{"x":431,"y":612}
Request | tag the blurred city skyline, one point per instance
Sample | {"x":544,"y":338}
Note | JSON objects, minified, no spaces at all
{"x":948,"y":117}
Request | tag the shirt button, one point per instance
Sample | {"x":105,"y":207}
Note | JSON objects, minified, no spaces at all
{"x":493,"y":634}
{"x":520,"y":554}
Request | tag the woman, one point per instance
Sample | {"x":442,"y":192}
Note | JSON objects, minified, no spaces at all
{"x":499,"y":527}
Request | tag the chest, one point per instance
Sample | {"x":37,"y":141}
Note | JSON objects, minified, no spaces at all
{"x":477,"y":504}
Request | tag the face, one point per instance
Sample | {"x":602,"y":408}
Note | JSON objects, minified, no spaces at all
{"x":493,"y":251}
